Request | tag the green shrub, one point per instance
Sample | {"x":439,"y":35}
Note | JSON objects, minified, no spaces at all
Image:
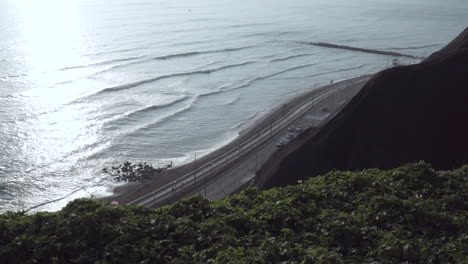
{"x":410,"y":214}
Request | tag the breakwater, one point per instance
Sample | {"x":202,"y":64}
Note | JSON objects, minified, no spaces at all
{"x":334,"y":46}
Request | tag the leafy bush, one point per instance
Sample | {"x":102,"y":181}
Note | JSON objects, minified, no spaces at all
{"x":411,"y":214}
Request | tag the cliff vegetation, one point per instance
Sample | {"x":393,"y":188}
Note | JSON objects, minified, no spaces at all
{"x":411,"y":214}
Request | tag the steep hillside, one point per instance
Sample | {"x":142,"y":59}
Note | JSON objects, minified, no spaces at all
{"x":458,"y":44}
{"x":403,"y":114}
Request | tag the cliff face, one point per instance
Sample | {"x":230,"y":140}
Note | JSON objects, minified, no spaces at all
{"x":458,"y":44}
{"x":403,"y":114}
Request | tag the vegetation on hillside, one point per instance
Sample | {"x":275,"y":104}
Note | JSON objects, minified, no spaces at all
{"x":411,"y":214}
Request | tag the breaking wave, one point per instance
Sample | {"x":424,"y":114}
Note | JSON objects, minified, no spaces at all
{"x":335,"y":71}
{"x":291,"y":57}
{"x":144,"y":110}
{"x":101,"y":63}
{"x":151,"y":80}
{"x":187,"y":54}
{"x":161,"y":121}
{"x":251,"y":81}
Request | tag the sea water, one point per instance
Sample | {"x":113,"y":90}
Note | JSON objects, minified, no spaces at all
{"x":90,"y":84}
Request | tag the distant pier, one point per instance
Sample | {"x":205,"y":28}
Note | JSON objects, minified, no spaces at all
{"x":334,"y":46}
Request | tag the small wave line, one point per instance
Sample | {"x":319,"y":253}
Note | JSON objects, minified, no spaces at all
{"x":150,"y":80}
{"x":193,"y":53}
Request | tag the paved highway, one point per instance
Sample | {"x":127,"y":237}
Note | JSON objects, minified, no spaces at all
{"x":197,"y":180}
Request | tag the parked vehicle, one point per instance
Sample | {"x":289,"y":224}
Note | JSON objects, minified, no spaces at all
{"x":280,"y":144}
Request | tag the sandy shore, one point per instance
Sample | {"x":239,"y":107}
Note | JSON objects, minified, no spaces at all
{"x":132,"y":191}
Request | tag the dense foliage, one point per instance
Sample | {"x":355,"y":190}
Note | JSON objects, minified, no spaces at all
{"x":411,"y":214}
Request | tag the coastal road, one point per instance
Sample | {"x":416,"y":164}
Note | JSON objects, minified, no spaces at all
{"x":226,"y":173}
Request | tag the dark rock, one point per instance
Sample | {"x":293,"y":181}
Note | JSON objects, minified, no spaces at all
{"x":130,"y":172}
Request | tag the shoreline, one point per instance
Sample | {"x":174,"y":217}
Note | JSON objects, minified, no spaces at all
{"x":131,"y":191}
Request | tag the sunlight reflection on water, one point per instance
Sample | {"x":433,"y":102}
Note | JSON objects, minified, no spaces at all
{"x":178,"y":82}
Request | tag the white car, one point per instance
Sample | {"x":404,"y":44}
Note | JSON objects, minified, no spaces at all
{"x":280,"y":144}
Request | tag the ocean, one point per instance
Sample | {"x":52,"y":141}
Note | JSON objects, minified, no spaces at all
{"x":90,"y":84}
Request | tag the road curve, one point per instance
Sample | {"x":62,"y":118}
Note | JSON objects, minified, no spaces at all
{"x":199,"y":177}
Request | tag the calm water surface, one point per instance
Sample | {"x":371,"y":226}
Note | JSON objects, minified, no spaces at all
{"x":87,"y":84}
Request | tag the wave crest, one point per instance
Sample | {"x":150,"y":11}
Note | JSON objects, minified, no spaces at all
{"x":193,"y":53}
{"x":151,"y":80}
{"x":290,"y":57}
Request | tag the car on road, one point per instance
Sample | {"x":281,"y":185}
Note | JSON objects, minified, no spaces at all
{"x":299,"y":129}
{"x":280,"y":143}
{"x":291,"y":128}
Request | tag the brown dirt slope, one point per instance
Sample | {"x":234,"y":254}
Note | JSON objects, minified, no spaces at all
{"x":403,"y":114}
